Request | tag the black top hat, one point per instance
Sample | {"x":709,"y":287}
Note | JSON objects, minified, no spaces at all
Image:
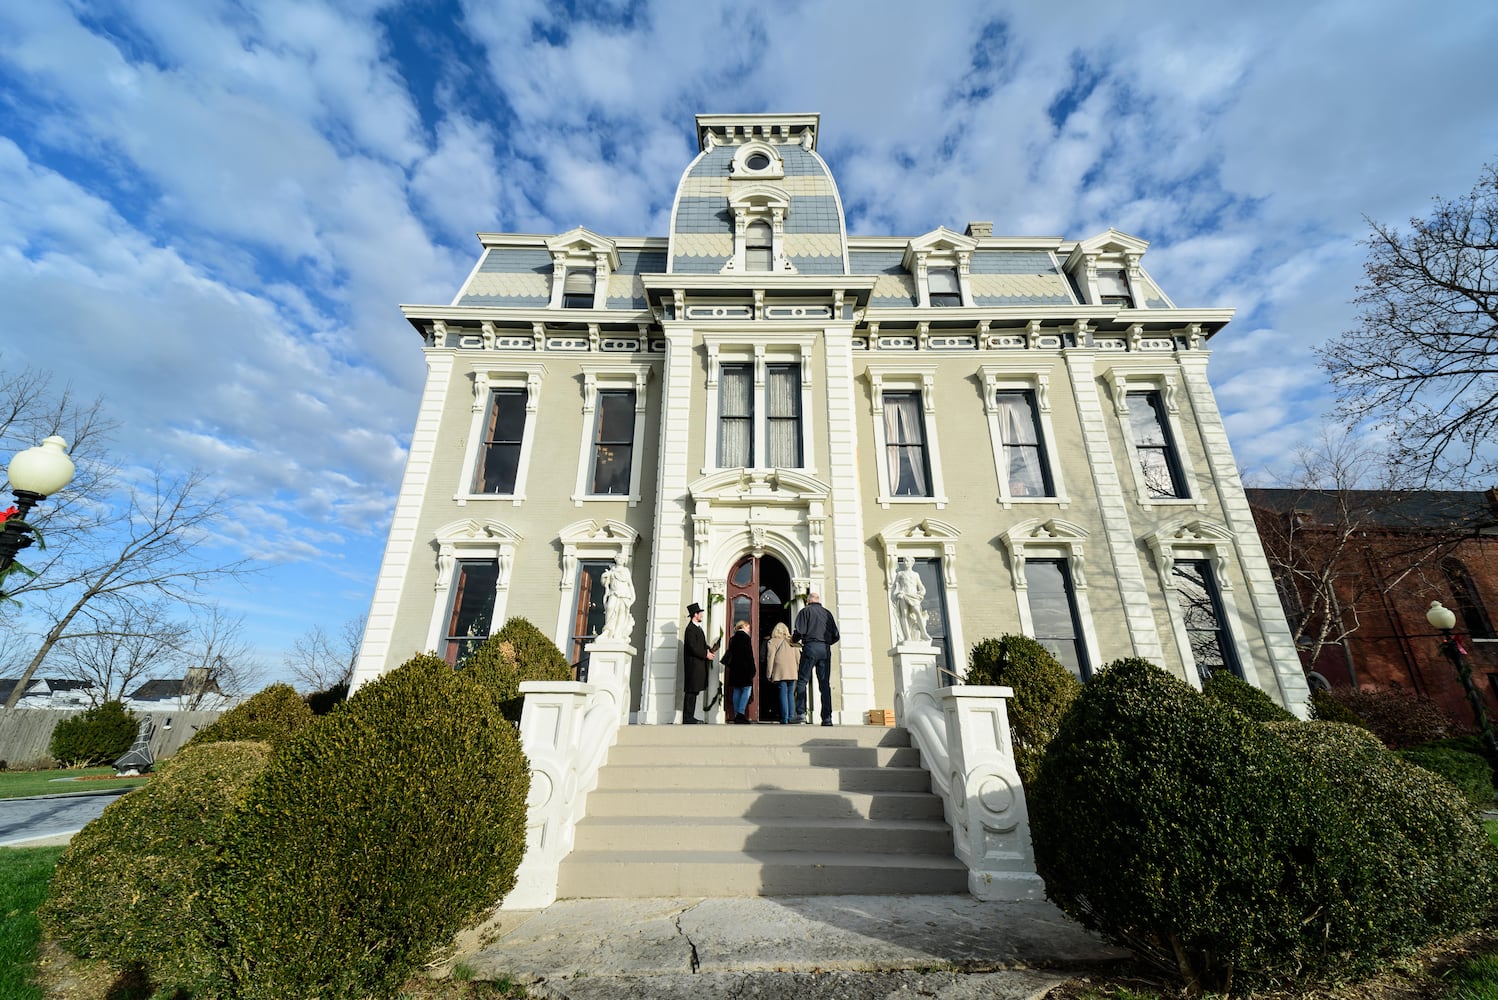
{"x":693,"y":609}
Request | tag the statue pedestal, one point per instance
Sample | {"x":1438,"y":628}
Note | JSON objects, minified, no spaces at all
{"x":609,"y":663}
{"x":915,"y":670}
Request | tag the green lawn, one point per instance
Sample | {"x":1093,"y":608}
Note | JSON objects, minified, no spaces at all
{"x":24,"y":872}
{"x":18,"y":784}
{"x":1491,"y":825}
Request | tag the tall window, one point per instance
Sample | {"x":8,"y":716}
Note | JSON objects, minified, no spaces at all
{"x":1468,"y":603}
{"x":1158,"y":460}
{"x":783,"y":415}
{"x":613,"y":441}
{"x":1053,"y":614}
{"x":1200,"y":603}
{"x":942,"y":287}
{"x":587,"y":613}
{"x":905,"y":445}
{"x":1113,"y":289}
{"x":504,"y":427}
{"x":577,"y":288}
{"x":736,"y":416}
{"x":1023,"y":455}
{"x":472,"y":609}
{"x":759,"y":247}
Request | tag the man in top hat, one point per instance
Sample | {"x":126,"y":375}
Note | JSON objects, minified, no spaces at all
{"x":694,"y":656}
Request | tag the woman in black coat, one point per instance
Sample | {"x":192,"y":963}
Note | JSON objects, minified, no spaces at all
{"x":739,"y":662}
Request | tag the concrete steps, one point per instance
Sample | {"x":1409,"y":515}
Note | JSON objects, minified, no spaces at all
{"x":763,"y":810}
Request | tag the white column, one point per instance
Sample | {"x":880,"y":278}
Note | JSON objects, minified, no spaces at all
{"x":380,"y":629}
{"x":853,"y":681}
{"x":1123,"y":552}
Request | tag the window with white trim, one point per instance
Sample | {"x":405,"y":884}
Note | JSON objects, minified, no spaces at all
{"x":1046,"y":560}
{"x":587,"y":609}
{"x":759,"y":246}
{"x":1155,"y":447}
{"x":1055,"y":621}
{"x":757,"y":396}
{"x":613,"y":424}
{"x":942,"y":287}
{"x":1018,"y":407}
{"x":502,"y":433}
{"x":1113,"y":287}
{"x":908,"y":462}
{"x":578,"y":288}
{"x":471,"y":612}
{"x":1199,"y":601}
{"x":588,"y":548}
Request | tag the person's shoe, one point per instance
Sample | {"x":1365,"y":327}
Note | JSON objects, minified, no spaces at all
{"x":742,"y":720}
{"x":690,"y":722}
{"x":826,"y":722}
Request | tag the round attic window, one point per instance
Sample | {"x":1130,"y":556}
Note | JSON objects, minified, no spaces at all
{"x":757,"y":161}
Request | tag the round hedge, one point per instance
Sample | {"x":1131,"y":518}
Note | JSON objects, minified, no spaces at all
{"x":371,"y":839}
{"x":1397,"y":856}
{"x":1400,"y":718}
{"x":1152,"y":820}
{"x":1239,"y":855}
{"x":517,"y":652}
{"x":1043,"y":691}
{"x":128,"y":888}
{"x":1223,"y":687}
{"x":272,"y":716}
{"x":1325,"y":708}
{"x":98,"y":736}
{"x":1468,"y":771}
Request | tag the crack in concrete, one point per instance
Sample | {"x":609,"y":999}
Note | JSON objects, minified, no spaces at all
{"x":696,"y":962}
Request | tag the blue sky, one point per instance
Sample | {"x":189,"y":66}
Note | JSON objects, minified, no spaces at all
{"x":209,"y":210}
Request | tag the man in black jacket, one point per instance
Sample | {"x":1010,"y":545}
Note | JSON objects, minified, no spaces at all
{"x":694,"y":656}
{"x":816,"y":631}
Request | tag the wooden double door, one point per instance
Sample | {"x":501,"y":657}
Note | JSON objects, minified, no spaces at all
{"x":759,"y":592}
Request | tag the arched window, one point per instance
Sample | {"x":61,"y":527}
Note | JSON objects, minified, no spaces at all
{"x":759,"y":246}
{"x":1465,"y":600}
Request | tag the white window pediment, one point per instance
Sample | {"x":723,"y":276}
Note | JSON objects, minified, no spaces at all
{"x":581,"y":263}
{"x":937,"y":261}
{"x":1052,"y":538}
{"x":1191,"y":538}
{"x":584,"y":243}
{"x":747,"y":487}
{"x":1106,"y":270}
{"x":756,"y":160}
{"x":759,"y":210}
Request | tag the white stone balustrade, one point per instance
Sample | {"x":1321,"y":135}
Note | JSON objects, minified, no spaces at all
{"x":566,"y":729}
{"x":962,"y":733}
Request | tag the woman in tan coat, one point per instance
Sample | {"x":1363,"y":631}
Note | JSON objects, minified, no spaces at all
{"x":784,"y":664}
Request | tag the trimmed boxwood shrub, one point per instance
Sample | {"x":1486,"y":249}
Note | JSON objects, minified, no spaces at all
{"x":324,"y":701}
{"x":371,"y":839}
{"x":517,"y":652}
{"x":272,"y":716}
{"x":1399,"y":718}
{"x":1043,"y":691}
{"x":98,"y":736}
{"x":1151,"y":819}
{"x":129,"y":887}
{"x":1238,"y":855}
{"x":1397,"y":857}
{"x":1469,"y":772}
{"x":1228,"y":690}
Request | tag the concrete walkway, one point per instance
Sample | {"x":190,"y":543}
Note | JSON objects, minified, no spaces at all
{"x":845,"y":947}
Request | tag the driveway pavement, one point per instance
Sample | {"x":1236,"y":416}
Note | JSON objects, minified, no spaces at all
{"x":51,"y":819}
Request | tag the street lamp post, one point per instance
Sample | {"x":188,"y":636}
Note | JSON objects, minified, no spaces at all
{"x":1443,"y":618}
{"x":34,"y":474}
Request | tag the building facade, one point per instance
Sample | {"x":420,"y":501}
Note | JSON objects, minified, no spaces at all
{"x":756,"y":407}
{"x":1357,"y":570}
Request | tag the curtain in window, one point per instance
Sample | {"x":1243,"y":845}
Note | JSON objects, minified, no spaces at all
{"x":1020,"y":461}
{"x":1113,"y":286}
{"x":905,"y":444}
{"x":783,"y":403}
{"x":736,"y":417}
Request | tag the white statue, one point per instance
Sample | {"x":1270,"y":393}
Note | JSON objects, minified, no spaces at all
{"x":618,"y":598}
{"x":908,"y":593}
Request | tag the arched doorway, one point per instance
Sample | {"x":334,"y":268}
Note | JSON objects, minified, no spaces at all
{"x":759,"y":592}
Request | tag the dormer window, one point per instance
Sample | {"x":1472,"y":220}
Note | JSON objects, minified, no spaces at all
{"x":1113,"y":288}
{"x":577,"y":289}
{"x":759,"y":246}
{"x":943,"y":287}
{"x":757,"y":161}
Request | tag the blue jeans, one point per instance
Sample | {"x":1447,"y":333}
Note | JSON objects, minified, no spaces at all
{"x":787,"y":690}
{"x":741,"y":700}
{"x":815,"y":656}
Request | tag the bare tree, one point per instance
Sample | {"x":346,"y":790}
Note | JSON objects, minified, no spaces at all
{"x":147,"y":550}
{"x":320,"y":663}
{"x":1345,"y":530}
{"x":1423,"y":359}
{"x":120,"y":647}
{"x":220,"y":662}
